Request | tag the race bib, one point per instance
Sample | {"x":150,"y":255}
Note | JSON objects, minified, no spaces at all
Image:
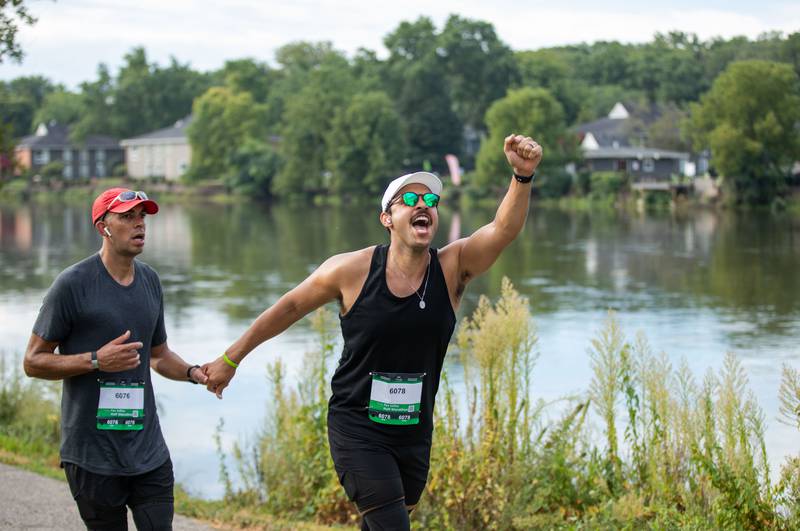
{"x":121,"y":406}
{"x":395,"y":398}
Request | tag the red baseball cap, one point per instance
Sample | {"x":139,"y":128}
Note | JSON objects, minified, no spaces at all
{"x":112,"y":200}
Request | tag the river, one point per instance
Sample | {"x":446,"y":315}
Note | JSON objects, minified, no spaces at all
{"x":698,"y":285}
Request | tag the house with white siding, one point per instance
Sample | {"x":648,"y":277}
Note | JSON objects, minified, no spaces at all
{"x":164,"y":153}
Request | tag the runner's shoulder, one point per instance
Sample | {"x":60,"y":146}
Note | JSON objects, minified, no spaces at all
{"x":350,"y":263}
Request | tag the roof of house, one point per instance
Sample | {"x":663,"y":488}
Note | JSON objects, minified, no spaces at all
{"x":624,"y":127}
{"x":606,"y":131}
{"x":176,"y":131}
{"x":56,"y":136}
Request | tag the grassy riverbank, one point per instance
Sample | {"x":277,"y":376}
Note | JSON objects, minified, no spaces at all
{"x":647,"y":445}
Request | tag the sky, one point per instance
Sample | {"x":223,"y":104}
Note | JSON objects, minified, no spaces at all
{"x":73,"y":36}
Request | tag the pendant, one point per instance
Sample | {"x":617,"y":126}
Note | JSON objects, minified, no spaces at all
{"x":421,"y":305}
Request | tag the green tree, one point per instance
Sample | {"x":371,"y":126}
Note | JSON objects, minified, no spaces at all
{"x":411,"y":41}
{"x":366,"y":144}
{"x":96,"y":99}
{"x":791,"y":51}
{"x":552,"y":69}
{"x":13,"y":14}
{"x":297,"y":61}
{"x":306,"y":121}
{"x":222,"y":120}
{"x":248,"y":75}
{"x":430,"y":127}
{"x":749,"y":121}
{"x":6,"y":150}
{"x":479,"y":66}
{"x":61,"y":106}
{"x":19,"y":100}
{"x":666,"y":131}
{"x":669,"y":69}
{"x":146,"y":96}
{"x":532,"y":112}
{"x":409,"y":44}
{"x":606,"y":63}
{"x":252,"y":166}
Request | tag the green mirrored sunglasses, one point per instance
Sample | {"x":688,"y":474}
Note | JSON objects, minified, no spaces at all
{"x":410,"y":199}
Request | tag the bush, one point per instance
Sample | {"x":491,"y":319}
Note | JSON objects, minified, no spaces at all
{"x":52,"y":171}
{"x":119,"y":170}
{"x":604,"y":184}
{"x":555,"y":184}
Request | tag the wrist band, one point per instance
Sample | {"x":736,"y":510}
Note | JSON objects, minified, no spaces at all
{"x":229,"y":361}
{"x":189,"y":373}
{"x":523,"y":179}
{"x":95,"y":363}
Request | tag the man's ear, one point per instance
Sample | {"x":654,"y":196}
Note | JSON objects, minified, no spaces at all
{"x":386,"y":219}
{"x":101,"y":227}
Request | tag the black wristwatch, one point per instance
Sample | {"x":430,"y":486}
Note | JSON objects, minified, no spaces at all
{"x":523,"y":179}
{"x":189,"y":373}
{"x":95,"y":363}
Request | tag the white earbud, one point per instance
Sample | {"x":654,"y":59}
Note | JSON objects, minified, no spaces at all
{"x":108,"y":233}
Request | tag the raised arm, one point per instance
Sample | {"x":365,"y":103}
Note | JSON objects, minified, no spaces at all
{"x":474,"y":254}
{"x":322,"y":286}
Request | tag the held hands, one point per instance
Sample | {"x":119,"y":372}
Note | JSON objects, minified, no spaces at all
{"x":523,"y":153}
{"x":197,"y":375}
{"x":218,"y":375}
{"x":117,"y":356}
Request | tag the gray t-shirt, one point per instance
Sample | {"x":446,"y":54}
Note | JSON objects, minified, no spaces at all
{"x":84,"y":309}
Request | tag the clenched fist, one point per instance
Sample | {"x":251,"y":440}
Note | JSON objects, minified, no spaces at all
{"x":523,"y":154}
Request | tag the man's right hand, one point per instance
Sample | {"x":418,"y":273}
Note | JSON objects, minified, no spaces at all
{"x":117,"y":356}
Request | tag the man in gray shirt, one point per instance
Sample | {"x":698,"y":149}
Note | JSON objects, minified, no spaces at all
{"x":106,"y":316}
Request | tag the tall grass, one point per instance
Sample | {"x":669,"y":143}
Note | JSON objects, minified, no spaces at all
{"x":30,"y":429}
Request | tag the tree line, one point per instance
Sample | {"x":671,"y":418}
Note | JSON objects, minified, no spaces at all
{"x":320,"y":121}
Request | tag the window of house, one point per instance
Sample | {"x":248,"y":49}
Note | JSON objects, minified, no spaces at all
{"x":41,"y":157}
{"x":622,"y":165}
{"x":648,"y":165}
{"x":67,"y":155}
{"x":635,"y":165}
{"x":68,"y":170}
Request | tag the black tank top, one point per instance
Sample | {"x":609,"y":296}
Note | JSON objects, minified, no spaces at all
{"x":386,"y":333}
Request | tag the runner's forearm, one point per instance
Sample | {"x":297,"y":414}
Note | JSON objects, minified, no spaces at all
{"x":169,"y":365}
{"x":513,"y":210}
{"x":51,"y":366}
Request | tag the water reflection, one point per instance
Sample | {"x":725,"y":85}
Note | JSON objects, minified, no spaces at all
{"x":698,"y":285}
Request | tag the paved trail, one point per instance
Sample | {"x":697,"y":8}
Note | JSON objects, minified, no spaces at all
{"x":30,"y":501}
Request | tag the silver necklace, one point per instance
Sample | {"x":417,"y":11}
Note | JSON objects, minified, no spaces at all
{"x":424,"y":289}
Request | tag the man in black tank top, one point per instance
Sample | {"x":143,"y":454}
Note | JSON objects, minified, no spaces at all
{"x":397,"y":312}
